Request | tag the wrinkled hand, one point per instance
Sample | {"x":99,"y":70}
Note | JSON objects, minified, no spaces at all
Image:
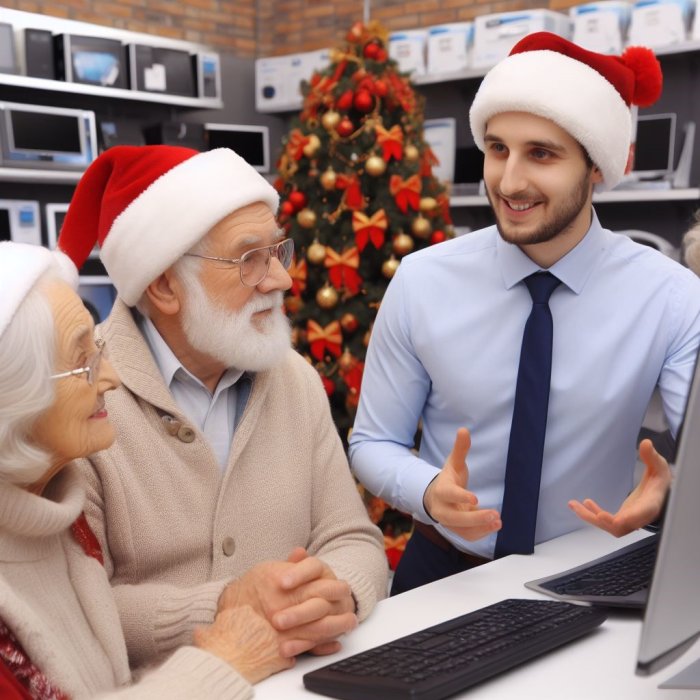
{"x":448,"y":501}
{"x":641,"y":507}
{"x":246,"y":641}
{"x":301,"y":598}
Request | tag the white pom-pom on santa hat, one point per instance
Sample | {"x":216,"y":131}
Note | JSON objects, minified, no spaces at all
{"x":21,"y":267}
{"x":585,"y":93}
{"x":148,"y":205}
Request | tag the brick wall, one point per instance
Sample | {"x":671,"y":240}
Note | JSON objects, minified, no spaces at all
{"x":250,"y":28}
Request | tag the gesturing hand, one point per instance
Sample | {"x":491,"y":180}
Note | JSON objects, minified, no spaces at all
{"x":641,"y":507}
{"x":448,"y":501}
{"x":301,"y":598}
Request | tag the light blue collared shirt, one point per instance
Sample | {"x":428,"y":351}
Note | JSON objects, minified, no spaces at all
{"x":214,"y":414}
{"x":445,"y":349}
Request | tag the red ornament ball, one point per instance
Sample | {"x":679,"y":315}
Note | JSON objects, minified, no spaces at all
{"x":297,"y":200}
{"x":370,"y":51}
{"x":286,"y":208}
{"x":438,"y":237}
{"x":380,"y":88}
{"x":345,"y":127}
{"x":363,"y":101}
{"x":344,"y":102}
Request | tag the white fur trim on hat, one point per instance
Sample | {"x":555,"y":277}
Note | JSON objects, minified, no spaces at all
{"x":21,"y":267}
{"x":568,"y":92}
{"x":176,"y":211}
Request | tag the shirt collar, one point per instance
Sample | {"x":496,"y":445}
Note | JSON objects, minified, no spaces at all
{"x":170,"y":367}
{"x":573,"y":269}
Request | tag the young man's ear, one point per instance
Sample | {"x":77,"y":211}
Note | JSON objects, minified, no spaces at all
{"x":164,"y":293}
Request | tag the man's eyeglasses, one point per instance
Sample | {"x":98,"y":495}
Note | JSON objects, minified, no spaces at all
{"x":91,"y":369}
{"x":254,"y":264}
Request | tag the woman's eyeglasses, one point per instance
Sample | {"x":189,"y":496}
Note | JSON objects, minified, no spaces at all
{"x":254,"y":264}
{"x":91,"y":369}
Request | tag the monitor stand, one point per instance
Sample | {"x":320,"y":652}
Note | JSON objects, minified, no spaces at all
{"x":687,"y":679}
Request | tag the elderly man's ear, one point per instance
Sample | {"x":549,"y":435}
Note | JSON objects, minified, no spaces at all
{"x":164,"y":293}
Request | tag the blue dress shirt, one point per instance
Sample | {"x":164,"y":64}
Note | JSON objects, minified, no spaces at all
{"x":445,"y":351}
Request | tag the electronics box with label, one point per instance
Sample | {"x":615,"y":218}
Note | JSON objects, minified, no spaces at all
{"x":8,"y":55}
{"x":278,"y":79}
{"x":407,"y":48}
{"x":91,"y":60}
{"x":601,"y":26}
{"x":38,"y":53}
{"x":659,"y":22}
{"x":207,"y":69}
{"x":41,"y":137}
{"x":441,"y":136}
{"x":161,"y":69}
{"x":19,"y":221}
{"x":495,"y":35}
{"x":449,"y":47}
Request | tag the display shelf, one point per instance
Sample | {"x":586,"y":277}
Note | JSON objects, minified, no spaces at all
{"x":651,"y":195}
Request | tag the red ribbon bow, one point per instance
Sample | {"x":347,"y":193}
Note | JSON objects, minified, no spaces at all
{"x":322,"y":339}
{"x":342,"y":269}
{"x":368,"y":228}
{"x":298,"y":272}
{"x":391,"y":141}
{"x":405,"y":192}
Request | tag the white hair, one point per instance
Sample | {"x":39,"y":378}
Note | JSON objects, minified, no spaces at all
{"x":691,"y":247}
{"x":27,"y":351}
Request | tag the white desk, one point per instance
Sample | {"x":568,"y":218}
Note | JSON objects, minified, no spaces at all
{"x":595,"y":667}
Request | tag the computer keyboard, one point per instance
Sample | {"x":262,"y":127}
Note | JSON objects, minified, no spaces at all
{"x":440,"y":661}
{"x":619,"y":579}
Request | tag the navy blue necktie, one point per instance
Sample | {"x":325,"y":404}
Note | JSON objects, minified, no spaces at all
{"x":526,"y":446}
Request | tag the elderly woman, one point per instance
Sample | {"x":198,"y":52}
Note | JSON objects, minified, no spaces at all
{"x":60,"y":635}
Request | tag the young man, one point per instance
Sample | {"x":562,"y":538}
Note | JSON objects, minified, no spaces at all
{"x":228,"y":483}
{"x":545,"y":390}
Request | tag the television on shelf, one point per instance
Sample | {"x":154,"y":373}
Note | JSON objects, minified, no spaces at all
{"x":38,"y":136}
{"x":654,"y":146}
{"x":251,"y":142}
{"x":160,"y":69}
{"x":91,"y":60}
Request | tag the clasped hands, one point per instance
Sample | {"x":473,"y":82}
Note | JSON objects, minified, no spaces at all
{"x":448,"y":501}
{"x":301,"y":598}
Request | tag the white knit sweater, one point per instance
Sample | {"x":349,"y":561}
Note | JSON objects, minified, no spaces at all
{"x":58,"y":603}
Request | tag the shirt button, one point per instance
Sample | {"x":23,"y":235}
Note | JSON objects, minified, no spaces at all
{"x":228,"y":546}
{"x":185,"y":433}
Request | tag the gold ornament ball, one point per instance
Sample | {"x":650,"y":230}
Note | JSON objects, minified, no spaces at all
{"x":421,"y":227}
{"x":293,"y":304}
{"x":427,"y":204}
{"x":327,"y":297}
{"x":312,"y":146}
{"x":346,"y":361}
{"x":411,"y":152}
{"x":349,"y":322}
{"x":306,"y":218}
{"x":375,"y":165}
{"x":316,"y":253}
{"x":328,"y":179}
{"x":330,"y":120}
{"x":389,"y":267}
{"x":402,"y":244}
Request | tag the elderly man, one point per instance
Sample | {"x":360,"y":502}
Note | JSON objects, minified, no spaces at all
{"x":228,"y":484}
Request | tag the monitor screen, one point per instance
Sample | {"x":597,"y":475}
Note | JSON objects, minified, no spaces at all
{"x":98,"y":297}
{"x":5,"y":233}
{"x":160,"y":69}
{"x":672,"y":616}
{"x":654,"y":146}
{"x":94,"y":60}
{"x":251,"y":142}
{"x":43,"y":132}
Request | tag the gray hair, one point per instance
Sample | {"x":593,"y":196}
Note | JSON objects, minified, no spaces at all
{"x":27,"y":351}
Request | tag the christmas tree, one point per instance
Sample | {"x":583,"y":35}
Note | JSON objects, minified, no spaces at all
{"x":357,"y":194}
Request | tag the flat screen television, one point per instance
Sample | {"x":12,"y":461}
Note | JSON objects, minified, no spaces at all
{"x":38,"y":136}
{"x":251,"y":142}
{"x":98,"y":297}
{"x":92,"y":60}
{"x":160,"y":69}
{"x":672,"y":616}
{"x":654,"y":146}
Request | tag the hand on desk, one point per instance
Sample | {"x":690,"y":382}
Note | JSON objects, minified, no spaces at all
{"x":448,"y":501}
{"x":641,"y":507}
{"x":246,"y":641}
{"x":301,"y":598}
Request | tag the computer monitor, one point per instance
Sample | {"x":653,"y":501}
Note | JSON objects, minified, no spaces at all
{"x":250,"y":141}
{"x":654,"y":146}
{"x":98,"y":297}
{"x":672,"y":616}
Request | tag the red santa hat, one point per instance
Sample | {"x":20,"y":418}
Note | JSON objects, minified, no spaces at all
{"x":587,"y":94}
{"x":148,"y":205}
{"x":21,"y":267}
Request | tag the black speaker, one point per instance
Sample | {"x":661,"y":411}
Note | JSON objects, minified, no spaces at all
{"x":38,"y":53}
{"x":177,"y":134}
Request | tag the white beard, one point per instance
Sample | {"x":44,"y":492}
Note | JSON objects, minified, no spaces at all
{"x":231,"y":337}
